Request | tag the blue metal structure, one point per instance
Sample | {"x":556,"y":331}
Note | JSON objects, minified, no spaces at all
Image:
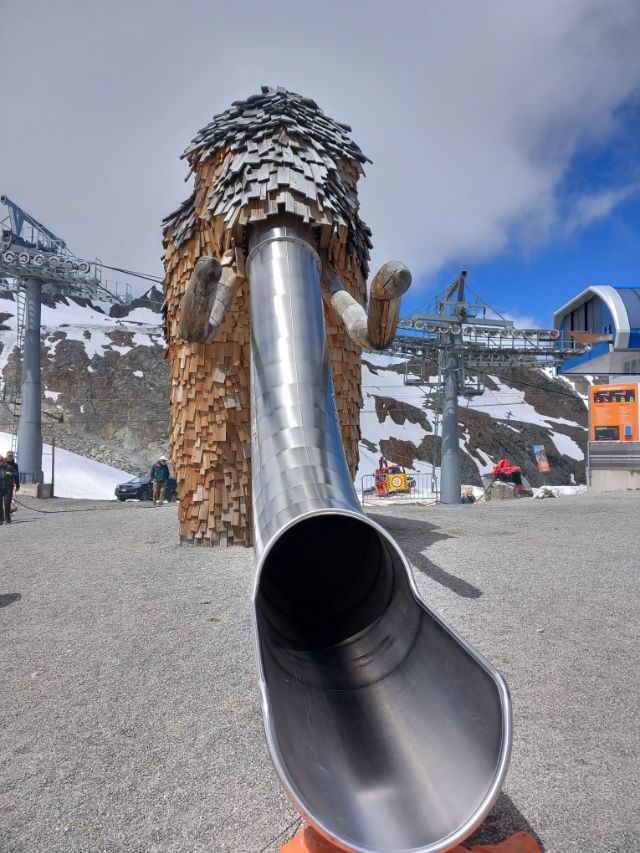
{"x":607,"y":318}
{"x":29,"y":250}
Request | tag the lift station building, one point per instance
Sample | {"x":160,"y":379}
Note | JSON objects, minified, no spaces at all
{"x":607,"y":319}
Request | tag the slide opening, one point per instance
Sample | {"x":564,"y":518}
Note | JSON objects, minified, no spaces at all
{"x":325,"y":580}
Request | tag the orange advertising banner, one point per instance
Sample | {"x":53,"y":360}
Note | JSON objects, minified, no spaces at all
{"x":614,"y":412}
{"x":541,"y":458}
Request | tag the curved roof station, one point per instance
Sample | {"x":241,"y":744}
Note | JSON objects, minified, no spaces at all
{"x":607,"y":319}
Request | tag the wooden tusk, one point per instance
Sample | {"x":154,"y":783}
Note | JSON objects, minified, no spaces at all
{"x":198,"y":302}
{"x":348,"y":309}
{"x":375,"y":329}
{"x":391,"y":281}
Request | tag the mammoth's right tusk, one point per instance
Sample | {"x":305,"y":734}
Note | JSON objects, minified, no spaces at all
{"x":392,"y":280}
{"x":349,"y":310}
{"x":376,"y":329}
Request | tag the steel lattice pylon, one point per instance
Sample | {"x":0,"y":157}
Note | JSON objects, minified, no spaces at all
{"x":32,"y":260}
{"x":461,"y":335}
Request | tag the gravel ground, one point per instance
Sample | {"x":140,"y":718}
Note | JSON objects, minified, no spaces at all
{"x":129,"y":713}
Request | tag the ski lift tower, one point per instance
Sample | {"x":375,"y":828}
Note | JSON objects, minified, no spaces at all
{"x":33,"y":257}
{"x":469,"y":335}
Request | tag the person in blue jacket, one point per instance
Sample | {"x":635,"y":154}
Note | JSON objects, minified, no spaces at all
{"x":159,"y":479}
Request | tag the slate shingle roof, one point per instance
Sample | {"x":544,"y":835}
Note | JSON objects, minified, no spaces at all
{"x":284,"y":154}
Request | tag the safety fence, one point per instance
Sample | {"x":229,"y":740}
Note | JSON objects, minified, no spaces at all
{"x":399,"y":488}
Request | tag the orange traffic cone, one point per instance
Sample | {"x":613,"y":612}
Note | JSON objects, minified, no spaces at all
{"x":309,"y":841}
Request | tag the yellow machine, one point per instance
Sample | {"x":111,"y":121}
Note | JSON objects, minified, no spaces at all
{"x":390,"y":478}
{"x":397,"y":483}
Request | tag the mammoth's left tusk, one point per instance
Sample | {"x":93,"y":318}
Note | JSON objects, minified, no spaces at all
{"x":378,"y":329}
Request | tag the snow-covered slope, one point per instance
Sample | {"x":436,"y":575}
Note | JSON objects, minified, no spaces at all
{"x":106,"y":396}
{"x":90,"y":324}
{"x":76,"y":476}
{"x":105,"y":379}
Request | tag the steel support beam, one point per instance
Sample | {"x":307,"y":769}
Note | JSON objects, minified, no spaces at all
{"x":450,"y":492}
{"x":30,"y":423}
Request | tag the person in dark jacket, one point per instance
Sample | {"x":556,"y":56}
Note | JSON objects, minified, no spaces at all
{"x":10,"y":459}
{"x":159,"y":478}
{"x":7,"y":482}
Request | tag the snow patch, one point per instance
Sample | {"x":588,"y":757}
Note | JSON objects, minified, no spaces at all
{"x":487,"y":464}
{"x":379,"y":359}
{"x":493,"y":403}
{"x":77,"y":476}
{"x":566,"y":446}
{"x":145,"y":316}
{"x":564,"y":491}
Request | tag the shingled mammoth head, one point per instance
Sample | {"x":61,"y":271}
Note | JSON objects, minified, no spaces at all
{"x":278,"y":155}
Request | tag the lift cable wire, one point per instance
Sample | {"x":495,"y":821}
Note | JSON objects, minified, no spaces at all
{"x":505,"y":379}
{"x":113,"y":507}
{"x":575,"y":396}
{"x":143,"y":275}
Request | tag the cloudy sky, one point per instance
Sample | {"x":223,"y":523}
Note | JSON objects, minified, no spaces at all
{"x":504,"y":134}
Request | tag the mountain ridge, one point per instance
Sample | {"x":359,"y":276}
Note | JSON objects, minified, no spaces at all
{"x":106,"y":396}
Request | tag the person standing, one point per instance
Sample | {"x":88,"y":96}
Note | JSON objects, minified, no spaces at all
{"x":159,"y":479}
{"x":7,"y":482}
{"x":10,"y":459}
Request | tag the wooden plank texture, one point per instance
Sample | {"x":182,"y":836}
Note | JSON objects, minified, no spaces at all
{"x":311,"y":171}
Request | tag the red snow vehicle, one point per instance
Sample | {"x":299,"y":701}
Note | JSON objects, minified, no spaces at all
{"x":504,"y":471}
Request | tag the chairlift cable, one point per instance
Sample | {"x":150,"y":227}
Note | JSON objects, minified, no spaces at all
{"x":142,"y":275}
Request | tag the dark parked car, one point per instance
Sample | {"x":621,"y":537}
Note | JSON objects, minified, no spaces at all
{"x":141,"y":488}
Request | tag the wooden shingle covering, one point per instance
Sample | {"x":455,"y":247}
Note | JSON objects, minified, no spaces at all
{"x":275,"y":152}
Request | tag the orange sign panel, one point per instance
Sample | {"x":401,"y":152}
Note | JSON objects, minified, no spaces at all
{"x":614,"y":412}
{"x":541,"y":458}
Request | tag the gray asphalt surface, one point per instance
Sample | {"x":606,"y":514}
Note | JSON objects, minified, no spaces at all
{"x":129,"y":718}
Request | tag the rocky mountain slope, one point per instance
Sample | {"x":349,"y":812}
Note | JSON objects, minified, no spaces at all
{"x":516,"y":409}
{"x":106,"y":393}
{"x":105,"y":380}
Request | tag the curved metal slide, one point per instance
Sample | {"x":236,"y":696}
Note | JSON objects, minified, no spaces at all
{"x":390,"y":733}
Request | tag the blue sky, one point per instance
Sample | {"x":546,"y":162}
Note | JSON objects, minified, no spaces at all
{"x":531,"y":286}
{"x":530,"y":281}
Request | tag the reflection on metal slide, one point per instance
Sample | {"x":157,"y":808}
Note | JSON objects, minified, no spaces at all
{"x":389,"y":732}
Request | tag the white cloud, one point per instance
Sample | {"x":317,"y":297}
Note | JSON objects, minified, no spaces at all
{"x":472,"y":112}
{"x":592,"y":207}
{"x":522,"y":321}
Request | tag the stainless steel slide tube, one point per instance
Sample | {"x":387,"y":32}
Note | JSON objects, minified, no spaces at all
{"x":389,"y":732}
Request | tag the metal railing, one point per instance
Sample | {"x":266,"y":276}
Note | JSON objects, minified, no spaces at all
{"x":614,"y":455}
